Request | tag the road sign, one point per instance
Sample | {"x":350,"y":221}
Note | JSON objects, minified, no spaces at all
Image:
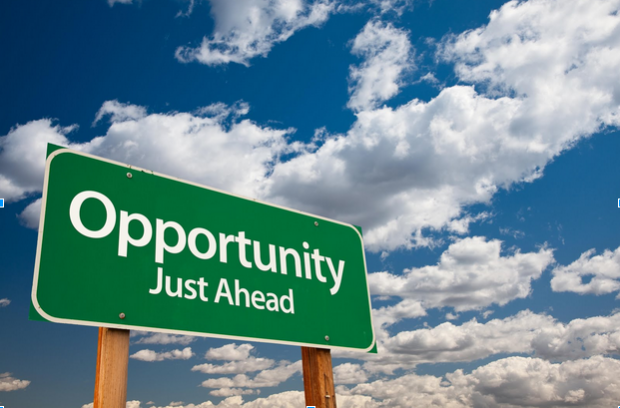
{"x":123,"y":247}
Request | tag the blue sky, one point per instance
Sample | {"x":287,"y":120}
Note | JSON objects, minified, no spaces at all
{"x":474,"y":142}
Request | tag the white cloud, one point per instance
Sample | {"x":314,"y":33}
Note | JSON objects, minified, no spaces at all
{"x":471,"y":274}
{"x":198,"y":147}
{"x":112,"y":2}
{"x":5,"y":302}
{"x":31,"y":215}
{"x":348,"y":373}
{"x":236,"y":367}
{"x":230,"y":352}
{"x":8,"y":383}
{"x":451,"y":316}
{"x":397,"y":171}
{"x":229,"y":392}
{"x":386,"y":316}
{"x":509,"y":382}
{"x":603,"y":271}
{"x":22,"y":156}
{"x":150,"y":355}
{"x":189,"y":11}
{"x":128,"y":404}
{"x":119,"y":112}
{"x":393,"y":6}
{"x":388,"y":55}
{"x":506,"y":383}
{"x":539,"y":335}
{"x":266,"y":378}
{"x":250,"y":28}
{"x":163,"y":338}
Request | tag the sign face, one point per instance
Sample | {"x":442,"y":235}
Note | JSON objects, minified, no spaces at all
{"x":123,"y":247}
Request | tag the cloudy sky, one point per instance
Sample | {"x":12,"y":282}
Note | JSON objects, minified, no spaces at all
{"x":475,"y":142}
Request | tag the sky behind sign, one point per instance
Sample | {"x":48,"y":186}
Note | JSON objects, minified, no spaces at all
{"x":475,"y":143}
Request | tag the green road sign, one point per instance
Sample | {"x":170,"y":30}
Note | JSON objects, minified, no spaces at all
{"x":124,"y":247}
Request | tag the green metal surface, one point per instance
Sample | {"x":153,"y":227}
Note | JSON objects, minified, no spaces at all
{"x":90,"y":281}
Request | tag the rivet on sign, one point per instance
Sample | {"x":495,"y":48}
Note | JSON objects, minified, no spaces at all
{"x":316,"y":223}
{"x":327,"y":338}
{"x":129,"y":175}
{"x":122,"y":315}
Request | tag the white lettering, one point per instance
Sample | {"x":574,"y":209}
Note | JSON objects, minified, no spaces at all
{"x":272,"y":258}
{"x":224,"y":241}
{"x":291,"y":308}
{"x":223,"y":290}
{"x":76,"y":220}
{"x":160,"y":242}
{"x":191,"y":243}
{"x":272,"y":302}
{"x":202,"y":284}
{"x":160,"y":285}
{"x":316,"y":256}
{"x":188,"y":286}
{"x":283,"y":254}
{"x":337,"y":276}
{"x":258,"y":296}
{"x":124,"y":238}
{"x":243,"y":242}
{"x":238,"y":291}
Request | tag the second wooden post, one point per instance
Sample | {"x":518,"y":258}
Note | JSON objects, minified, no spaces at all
{"x":318,"y":377}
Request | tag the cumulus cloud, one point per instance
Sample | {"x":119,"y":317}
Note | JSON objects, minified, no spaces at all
{"x":128,"y":404}
{"x":602,"y":270}
{"x":386,"y":316}
{"x":150,"y":355}
{"x":230,"y":352}
{"x":22,"y":156}
{"x":205,"y":144}
{"x":229,"y":392}
{"x":266,"y":378}
{"x":244,"y":30}
{"x":163,"y":338}
{"x":189,"y":11}
{"x":398,"y":171}
{"x":387,"y":56}
{"x":119,"y":112}
{"x":392,"y":6}
{"x":288,"y":399}
{"x":5,"y":302}
{"x":539,"y":335}
{"x":9,"y":383}
{"x":112,"y":2}
{"x":31,"y":215}
{"x":236,"y":367}
{"x":471,"y":274}
{"x":348,"y":373}
{"x":509,"y":382}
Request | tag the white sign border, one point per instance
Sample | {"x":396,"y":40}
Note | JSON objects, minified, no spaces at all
{"x":40,"y":310}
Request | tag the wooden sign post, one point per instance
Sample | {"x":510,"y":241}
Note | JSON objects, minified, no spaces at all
{"x":318,"y":377}
{"x":111,"y":376}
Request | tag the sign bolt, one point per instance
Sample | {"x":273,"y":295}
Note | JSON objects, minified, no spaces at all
{"x":316,"y":223}
{"x":129,"y":175}
{"x":122,"y":315}
{"x":326,"y":338}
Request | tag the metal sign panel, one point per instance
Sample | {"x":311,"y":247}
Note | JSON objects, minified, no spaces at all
{"x":124,"y":247}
